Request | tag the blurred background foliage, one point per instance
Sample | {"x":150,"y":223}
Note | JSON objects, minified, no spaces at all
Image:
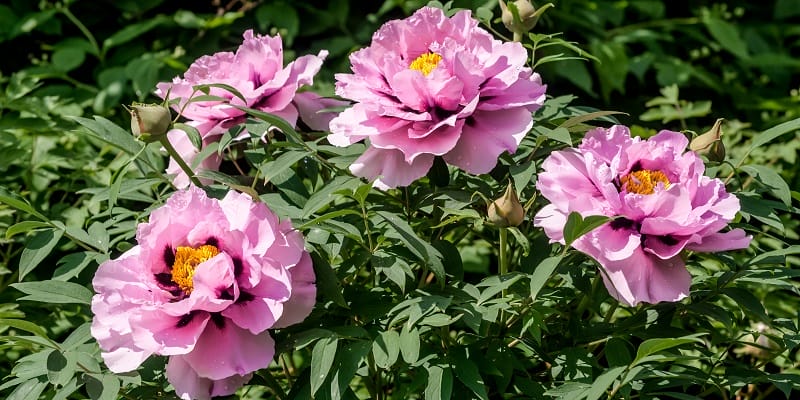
{"x":676,"y":65}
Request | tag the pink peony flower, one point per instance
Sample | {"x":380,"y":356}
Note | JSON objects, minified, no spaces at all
{"x":256,"y":70}
{"x":205,"y":283}
{"x":432,"y":86}
{"x":660,"y":201}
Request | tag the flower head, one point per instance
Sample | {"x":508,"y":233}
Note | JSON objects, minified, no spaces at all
{"x":660,"y":201}
{"x":205,"y":283}
{"x":257,"y":72}
{"x":429,"y":86}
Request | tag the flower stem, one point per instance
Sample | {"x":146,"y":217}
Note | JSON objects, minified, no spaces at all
{"x":503,"y":269}
{"x":503,"y":252}
{"x":181,"y":163}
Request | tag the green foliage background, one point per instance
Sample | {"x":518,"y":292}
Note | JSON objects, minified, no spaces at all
{"x":411,"y":304}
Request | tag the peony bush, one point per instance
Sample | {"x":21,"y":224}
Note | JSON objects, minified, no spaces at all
{"x":430,"y":218}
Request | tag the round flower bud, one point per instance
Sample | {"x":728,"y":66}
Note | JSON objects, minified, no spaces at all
{"x":526,"y":17}
{"x":506,"y":211}
{"x":149,"y":121}
{"x":710,"y":143}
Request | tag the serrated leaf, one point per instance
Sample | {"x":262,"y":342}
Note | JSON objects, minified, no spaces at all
{"x":36,"y":249}
{"x":56,"y":292}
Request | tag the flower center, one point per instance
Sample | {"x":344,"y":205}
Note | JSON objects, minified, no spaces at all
{"x":425,"y":63}
{"x":643,"y":181}
{"x":186,"y":260}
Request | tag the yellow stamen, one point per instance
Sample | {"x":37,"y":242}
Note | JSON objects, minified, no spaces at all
{"x":643,"y":181}
{"x":186,"y":260}
{"x":425,"y":63}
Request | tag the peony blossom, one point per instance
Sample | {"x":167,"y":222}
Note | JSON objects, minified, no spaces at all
{"x":429,"y":86}
{"x":257,"y":72}
{"x":660,"y":202}
{"x":205,"y":283}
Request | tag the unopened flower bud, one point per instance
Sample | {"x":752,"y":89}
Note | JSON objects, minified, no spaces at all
{"x":507,"y":210}
{"x":520,"y":16}
{"x":710,"y":143}
{"x":149,"y":121}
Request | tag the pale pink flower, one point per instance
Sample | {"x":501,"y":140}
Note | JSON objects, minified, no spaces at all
{"x":660,"y":201}
{"x":204,"y":285}
{"x":257,"y":72}
{"x":429,"y":86}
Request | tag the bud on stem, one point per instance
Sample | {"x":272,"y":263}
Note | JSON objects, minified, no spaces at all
{"x":506,"y":211}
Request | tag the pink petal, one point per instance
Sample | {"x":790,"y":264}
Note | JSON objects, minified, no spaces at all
{"x":389,"y":169}
{"x":304,"y":294}
{"x":731,"y":240}
{"x":189,"y":386}
{"x":222,"y":352}
{"x":164,"y":334}
{"x":487,"y":136}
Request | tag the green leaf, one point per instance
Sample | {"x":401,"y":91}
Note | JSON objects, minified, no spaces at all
{"x":102,"y":387}
{"x":578,"y":226}
{"x":727,"y":35}
{"x":13,"y":200}
{"x":279,"y":123}
{"x":30,"y":390}
{"x":770,"y":134}
{"x":24,"y":227}
{"x":409,"y":344}
{"x":206,"y":88}
{"x":328,"y":194}
{"x":772,"y":180}
{"x":37,"y":248}
{"x":280,"y":164}
{"x":60,"y":367}
{"x":79,"y":336}
{"x":110,"y":133}
{"x":653,"y":346}
{"x":440,"y":383}
{"x":386,"y":348}
{"x":602,"y":383}
{"x":467,"y":372}
{"x":542,"y":273}
{"x":422,"y":249}
{"x":322,"y":357}
{"x":26,"y":326}
{"x":57,"y":292}
{"x":522,"y":240}
{"x":587,"y":117}
{"x":132,"y":31}
{"x":192,"y":133}
{"x":327,"y":281}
